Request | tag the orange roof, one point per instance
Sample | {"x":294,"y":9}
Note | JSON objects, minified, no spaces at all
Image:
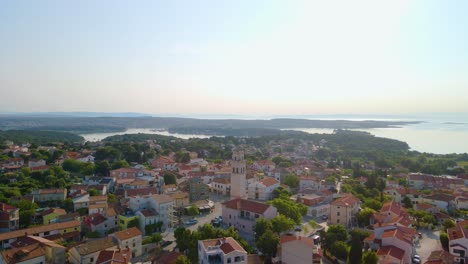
{"x":347,"y":200}
{"x":305,"y":240}
{"x":39,"y":229}
{"x":247,"y":205}
{"x":387,"y":254}
{"x":269,"y":181}
{"x":227,"y":244}
{"x":128,"y":233}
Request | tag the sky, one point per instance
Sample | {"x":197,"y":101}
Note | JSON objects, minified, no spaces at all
{"x":234,"y":57}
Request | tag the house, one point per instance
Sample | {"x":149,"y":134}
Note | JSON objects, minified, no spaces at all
{"x":221,"y":250}
{"x":71,"y":228}
{"x":458,"y":241}
{"x":25,"y":255}
{"x":221,"y":186}
{"x":181,"y":199}
{"x":162,"y":204}
{"x":32,"y":163}
{"x":442,"y":201}
{"x":344,"y":209}
{"x":45,"y":195}
{"x":124,"y":173}
{"x":391,"y":254}
{"x":440,"y":257}
{"x":168,"y":257}
{"x":401,"y":238}
{"x":50,"y":215}
{"x":263,"y":189}
{"x":130,"y":238}
{"x":298,"y":250}
{"x":114,"y":256}
{"x":147,"y":217}
{"x":264,"y":165}
{"x":89,"y":251}
{"x":242,"y":213}
{"x":9,"y":218}
{"x":310,"y":183}
{"x":424,"y":181}
{"x":81,"y":201}
{"x":165,"y":163}
{"x":30,"y":249}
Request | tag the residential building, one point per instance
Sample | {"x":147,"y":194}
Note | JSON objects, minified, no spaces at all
{"x":130,"y":238}
{"x":25,"y":255}
{"x":32,"y":163}
{"x":161,"y":204}
{"x":264,"y":165}
{"x":9,"y":218}
{"x":221,"y":186}
{"x":443,"y":201}
{"x":71,"y":228}
{"x":45,"y":195}
{"x":310,"y":183}
{"x":26,"y":250}
{"x":458,"y":241}
{"x":344,"y":209}
{"x":298,"y":250}
{"x":263,"y":189}
{"x":440,"y":257}
{"x":89,"y":251}
{"x":221,"y":250}
{"x":114,"y":256}
{"x":242,"y":213}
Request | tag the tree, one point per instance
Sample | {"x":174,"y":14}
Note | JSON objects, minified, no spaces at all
{"x":339,"y":250}
{"x":291,"y":180}
{"x":170,"y":178}
{"x":193,"y":210}
{"x":182,"y":260}
{"x":119,"y":164}
{"x":102,"y":167}
{"x":333,"y":234}
{"x":355,"y":252}
{"x":372,"y":203}
{"x":133,"y":223}
{"x":444,"y":240}
{"x":364,"y":216}
{"x":407,"y":202}
{"x":268,"y":244}
{"x":261,"y":226}
{"x":370,"y":257}
{"x":182,"y":157}
{"x":93,"y":192}
{"x":290,"y":208}
{"x":448,"y":224}
{"x":280,"y":191}
{"x":281,"y":224}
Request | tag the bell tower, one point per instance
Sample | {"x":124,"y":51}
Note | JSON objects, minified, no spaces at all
{"x":238,"y":175}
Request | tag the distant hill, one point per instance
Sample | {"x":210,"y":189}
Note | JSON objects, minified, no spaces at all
{"x":38,"y":137}
{"x":74,"y":114}
{"x":235,"y":127}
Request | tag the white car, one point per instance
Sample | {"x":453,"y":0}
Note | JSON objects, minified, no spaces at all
{"x":416,"y":259}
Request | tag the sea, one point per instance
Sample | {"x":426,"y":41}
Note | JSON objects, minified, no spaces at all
{"x":437,"y":133}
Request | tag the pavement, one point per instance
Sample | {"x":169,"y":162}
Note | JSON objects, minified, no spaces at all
{"x":429,"y":242}
{"x":168,"y":235}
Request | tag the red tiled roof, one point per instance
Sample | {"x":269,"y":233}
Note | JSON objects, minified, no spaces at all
{"x":347,"y":200}
{"x":247,"y":205}
{"x":391,"y":251}
{"x":305,"y":240}
{"x":269,"y":181}
{"x":128,"y":233}
{"x":227,"y":244}
{"x":6,"y":207}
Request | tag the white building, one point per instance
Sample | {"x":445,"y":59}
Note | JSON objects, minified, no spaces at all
{"x":263,"y":190}
{"x":238,"y":176}
{"x":162,"y":204}
{"x":221,"y":250}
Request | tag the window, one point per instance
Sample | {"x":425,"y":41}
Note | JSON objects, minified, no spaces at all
{"x":337,"y":213}
{"x":91,"y":260}
{"x":237,"y":259}
{"x":229,"y":260}
{"x":338,"y":221}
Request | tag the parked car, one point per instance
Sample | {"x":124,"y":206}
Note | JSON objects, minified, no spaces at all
{"x":324,"y":217}
{"x":165,"y":243}
{"x":416,"y":259}
{"x":191,"y":222}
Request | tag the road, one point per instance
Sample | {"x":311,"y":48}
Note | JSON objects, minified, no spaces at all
{"x":429,"y":242}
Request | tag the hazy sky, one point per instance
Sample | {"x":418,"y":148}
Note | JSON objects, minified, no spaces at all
{"x":234,"y":57}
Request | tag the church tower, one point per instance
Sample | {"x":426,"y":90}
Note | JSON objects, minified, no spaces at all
{"x":238,"y":175}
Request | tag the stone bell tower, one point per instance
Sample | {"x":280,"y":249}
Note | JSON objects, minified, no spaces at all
{"x":238,"y":175}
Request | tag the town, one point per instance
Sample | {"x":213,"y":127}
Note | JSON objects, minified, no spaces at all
{"x":278,"y":199}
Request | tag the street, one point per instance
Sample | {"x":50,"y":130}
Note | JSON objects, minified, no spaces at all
{"x":429,"y":242}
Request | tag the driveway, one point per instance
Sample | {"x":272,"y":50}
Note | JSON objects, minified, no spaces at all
{"x":429,"y":242}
